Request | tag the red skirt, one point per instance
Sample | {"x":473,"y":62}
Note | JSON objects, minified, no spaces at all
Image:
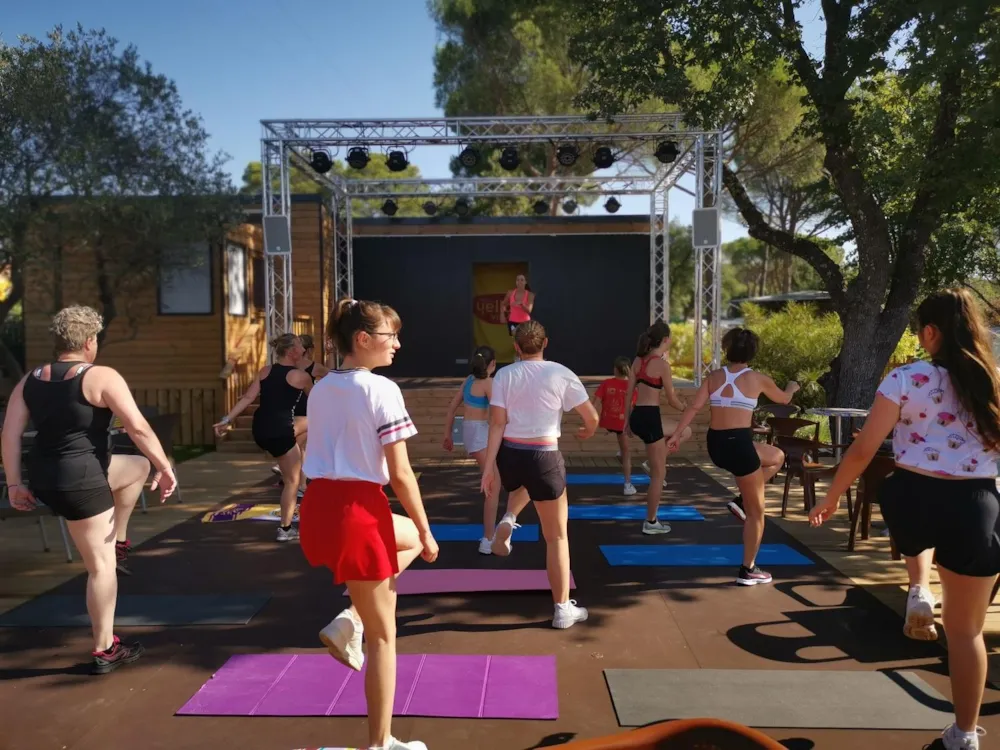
{"x":347,"y":526}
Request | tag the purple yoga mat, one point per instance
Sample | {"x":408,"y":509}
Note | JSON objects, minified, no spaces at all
{"x":439,"y":685}
{"x":471,"y":580}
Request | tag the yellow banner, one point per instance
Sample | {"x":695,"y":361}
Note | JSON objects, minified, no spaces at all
{"x":490,"y":282}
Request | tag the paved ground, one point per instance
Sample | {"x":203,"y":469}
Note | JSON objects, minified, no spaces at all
{"x":811,"y":618}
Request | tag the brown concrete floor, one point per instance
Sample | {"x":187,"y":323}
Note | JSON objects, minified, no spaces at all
{"x":811,"y":618}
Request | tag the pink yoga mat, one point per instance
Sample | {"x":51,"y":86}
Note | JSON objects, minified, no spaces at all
{"x":438,"y":685}
{"x":471,"y":580}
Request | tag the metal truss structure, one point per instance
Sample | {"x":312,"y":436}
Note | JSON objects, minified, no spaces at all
{"x":285,"y":142}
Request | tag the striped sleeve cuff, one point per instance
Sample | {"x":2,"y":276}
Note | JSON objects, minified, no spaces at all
{"x":397,"y":429}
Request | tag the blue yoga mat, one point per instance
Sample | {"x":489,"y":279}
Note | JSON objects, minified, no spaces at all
{"x":632,"y":513}
{"x":473,"y":532}
{"x":638,"y":478}
{"x":697,"y":555}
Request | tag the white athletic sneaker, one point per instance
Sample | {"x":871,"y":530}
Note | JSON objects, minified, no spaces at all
{"x":395,"y":744}
{"x":919,"y":623}
{"x":485,"y":546}
{"x":501,"y":539}
{"x":629,"y":489}
{"x":287,"y":536}
{"x":954,"y":738}
{"x":568,"y":614}
{"x":342,"y":638}
{"x":655,"y":528}
{"x":645,"y":468}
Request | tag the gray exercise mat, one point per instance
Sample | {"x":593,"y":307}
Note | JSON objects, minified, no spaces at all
{"x":789,"y":699}
{"x":138,"y":610}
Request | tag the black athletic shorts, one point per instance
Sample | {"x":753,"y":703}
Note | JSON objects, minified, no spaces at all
{"x":76,"y":505}
{"x":733,"y":451}
{"x":276,"y":445}
{"x":646,"y":423}
{"x":542,"y":472}
{"x":956,"y":517}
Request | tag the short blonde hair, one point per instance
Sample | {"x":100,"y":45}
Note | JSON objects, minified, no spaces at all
{"x":284,"y":343}
{"x":73,"y":326}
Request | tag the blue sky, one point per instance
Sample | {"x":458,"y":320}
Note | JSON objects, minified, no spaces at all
{"x":238,"y":63}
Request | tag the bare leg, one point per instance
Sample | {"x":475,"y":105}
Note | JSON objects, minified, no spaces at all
{"x":965,"y":602}
{"x":517,"y":501}
{"x":408,"y":546}
{"x":492,"y":503}
{"x":771,"y":460}
{"x":291,"y":470}
{"x":126,"y":475}
{"x":553,"y":515}
{"x":657,"y":453}
{"x":918,"y":569}
{"x":623,"y":446}
{"x":95,"y":538}
{"x":301,"y":433}
{"x":752,"y":490}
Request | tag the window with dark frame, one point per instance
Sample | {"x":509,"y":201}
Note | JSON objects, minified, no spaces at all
{"x":236,"y":280}
{"x":186,"y":288}
{"x":259,"y":284}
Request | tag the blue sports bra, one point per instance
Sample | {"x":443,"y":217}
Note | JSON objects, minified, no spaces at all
{"x":476,"y":402}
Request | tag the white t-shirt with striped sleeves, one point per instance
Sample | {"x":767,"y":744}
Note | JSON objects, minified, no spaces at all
{"x":352,"y":415}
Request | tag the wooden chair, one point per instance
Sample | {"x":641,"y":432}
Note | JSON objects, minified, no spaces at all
{"x":791,"y":426}
{"x":881,"y":466}
{"x":684,"y":734}
{"x":777,"y":410}
{"x":41,"y":512}
{"x":800,"y":455}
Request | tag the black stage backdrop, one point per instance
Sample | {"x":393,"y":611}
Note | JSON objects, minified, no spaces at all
{"x":592,"y":294}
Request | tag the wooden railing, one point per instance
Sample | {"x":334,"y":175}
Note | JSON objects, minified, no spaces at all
{"x":197,"y":409}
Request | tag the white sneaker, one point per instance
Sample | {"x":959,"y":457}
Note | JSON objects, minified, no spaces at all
{"x":655,"y":528}
{"x":485,"y":546}
{"x":645,"y":468}
{"x":287,"y":536}
{"x":954,"y":738}
{"x":568,"y":614}
{"x":919,"y":623}
{"x":629,"y":489}
{"x":342,"y":638}
{"x":501,"y":545}
{"x":395,"y":744}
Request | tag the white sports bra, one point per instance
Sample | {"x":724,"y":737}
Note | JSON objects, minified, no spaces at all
{"x":737,"y":400}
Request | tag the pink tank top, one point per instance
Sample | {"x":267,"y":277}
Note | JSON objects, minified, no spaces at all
{"x":516,"y":314}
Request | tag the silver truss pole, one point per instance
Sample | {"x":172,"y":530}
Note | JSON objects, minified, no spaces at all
{"x":659,"y":256}
{"x":708,"y":260}
{"x":277,"y":267}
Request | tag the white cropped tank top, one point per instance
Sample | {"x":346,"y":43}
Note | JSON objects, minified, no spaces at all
{"x":738,"y":400}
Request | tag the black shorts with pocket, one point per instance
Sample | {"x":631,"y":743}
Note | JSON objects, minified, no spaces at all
{"x":733,"y":450}
{"x":541,"y":470}
{"x":646,"y":423}
{"x":76,"y":505}
{"x":956,"y":517}
{"x":277,"y":445}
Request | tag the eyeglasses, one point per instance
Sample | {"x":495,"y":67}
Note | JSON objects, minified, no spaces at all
{"x":394,"y":335}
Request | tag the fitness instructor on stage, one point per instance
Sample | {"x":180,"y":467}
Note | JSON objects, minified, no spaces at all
{"x":517,"y":304}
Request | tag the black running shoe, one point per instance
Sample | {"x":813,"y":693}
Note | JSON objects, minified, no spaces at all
{"x":752,"y":576}
{"x":736,"y":508}
{"x":122,"y":550}
{"x":119,"y":653}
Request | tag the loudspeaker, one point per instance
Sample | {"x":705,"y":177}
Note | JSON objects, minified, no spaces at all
{"x":706,"y":227}
{"x":277,"y":236}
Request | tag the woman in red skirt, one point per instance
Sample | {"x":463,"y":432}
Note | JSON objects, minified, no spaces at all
{"x":358,"y":445}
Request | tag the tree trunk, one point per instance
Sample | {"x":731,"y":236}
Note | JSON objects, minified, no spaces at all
{"x":763,"y":273}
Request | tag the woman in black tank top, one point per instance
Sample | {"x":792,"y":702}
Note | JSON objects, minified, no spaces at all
{"x":69,"y":467}
{"x":276,"y":426}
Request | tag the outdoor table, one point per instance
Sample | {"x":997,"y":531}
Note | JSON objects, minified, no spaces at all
{"x":839,"y":415}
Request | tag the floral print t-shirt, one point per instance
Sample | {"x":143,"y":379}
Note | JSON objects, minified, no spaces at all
{"x":933,"y":432}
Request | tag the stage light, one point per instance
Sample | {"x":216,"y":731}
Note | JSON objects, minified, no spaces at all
{"x":396,"y":161}
{"x":469,"y":158}
{"x":569,"y":206}
{"x":357,"y":157}
{"x":321,"y":162}
{"x":540,"y":207}
{"x":430,"y":208}
{"x":509,"y":159}
{"x":389,"y":208}
{"x":462,"y":207}
{"x":603,"y":158}
{"x":667,"y":152}
{"x":612,"y":205}
{"x":566,"y":155}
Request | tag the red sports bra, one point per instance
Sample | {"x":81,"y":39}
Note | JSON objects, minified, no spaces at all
{"x":641,"y":376}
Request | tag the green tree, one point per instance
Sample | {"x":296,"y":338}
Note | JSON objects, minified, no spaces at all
{"x":943,"y":54}
{"x":98,"y":154}
{"x":302,"y":182}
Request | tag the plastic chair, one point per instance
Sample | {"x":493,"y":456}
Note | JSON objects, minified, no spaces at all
{"x":683,"y":734}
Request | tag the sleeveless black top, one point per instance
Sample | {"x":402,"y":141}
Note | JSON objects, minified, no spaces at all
{"x":71,"y":450}
{"x":300,"y":408}
{"x":278,"y":401}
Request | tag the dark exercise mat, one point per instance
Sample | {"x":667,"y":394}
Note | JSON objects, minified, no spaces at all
{"x":790,"y":699}
{"x":138,"y":610}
